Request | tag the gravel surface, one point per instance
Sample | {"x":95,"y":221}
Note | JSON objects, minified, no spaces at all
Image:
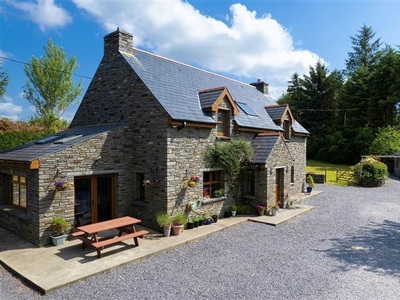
{"x":347,"y":248}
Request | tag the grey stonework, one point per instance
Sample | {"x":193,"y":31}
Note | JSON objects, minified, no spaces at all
{"x":144,"y":143}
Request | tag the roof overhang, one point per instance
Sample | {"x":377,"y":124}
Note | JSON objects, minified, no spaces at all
{"x":27,"y":165}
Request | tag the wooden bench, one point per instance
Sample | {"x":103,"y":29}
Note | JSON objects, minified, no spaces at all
{"x":77,"y":233}
{"x":101,"y":244}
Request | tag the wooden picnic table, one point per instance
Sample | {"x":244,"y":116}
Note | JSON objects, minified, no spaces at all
{"x":126,"y":226}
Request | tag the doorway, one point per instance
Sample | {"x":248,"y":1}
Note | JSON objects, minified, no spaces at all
{"x":279,"y":186}
{"x":94,"y":198}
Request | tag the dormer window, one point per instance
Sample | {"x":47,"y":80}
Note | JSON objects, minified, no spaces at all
{"x":223,"y":122}
{"x":286,"y":127}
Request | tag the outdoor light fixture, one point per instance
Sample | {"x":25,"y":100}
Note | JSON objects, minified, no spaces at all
{"x":287,"y":168}
{"x":271,"y":170}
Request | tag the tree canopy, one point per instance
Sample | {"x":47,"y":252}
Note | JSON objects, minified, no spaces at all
{"x":49,"y":87}
{"x":3,"y":81}
{"x":346,"y":111}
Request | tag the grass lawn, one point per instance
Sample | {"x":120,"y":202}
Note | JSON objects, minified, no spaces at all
{"x":329,"y":170}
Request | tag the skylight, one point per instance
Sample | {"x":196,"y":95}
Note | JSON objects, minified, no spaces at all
{"x":246,"y":109}
{"x":47,"y":139}
{"x":67,"y":139}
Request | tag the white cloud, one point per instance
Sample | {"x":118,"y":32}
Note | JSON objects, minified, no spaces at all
{"x":45,"y":13}
{"x":242,"y":45}
{"x":8,"y":109}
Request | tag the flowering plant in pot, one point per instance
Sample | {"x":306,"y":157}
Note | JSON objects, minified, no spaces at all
{"x":311,"y":184}
{"x":193,"y":181}
{"x":261,"y":209}
{"x":61,"y":185}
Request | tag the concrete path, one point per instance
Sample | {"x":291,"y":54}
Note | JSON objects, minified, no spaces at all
{"x":50,"y":268}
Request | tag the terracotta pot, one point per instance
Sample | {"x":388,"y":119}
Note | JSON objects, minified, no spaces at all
{"x":177,"y":229}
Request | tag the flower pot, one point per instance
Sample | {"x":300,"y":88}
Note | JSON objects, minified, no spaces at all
{"x":190,"y":225}
{"x":233,"y":212}
{"x":191,"y":184}
{"x":201,"y":223}
{"x":58,"y":240}
{"x":177,"y":229}
{"x":261,"y":211}
{"x":60,"y":188}
{"x":196,"y":224}
{"x":208,"y":221}
{"x":214,"y":218}
{"x":273,"y":211}
{"x":309,"y":189}
{"x":167,"y":230}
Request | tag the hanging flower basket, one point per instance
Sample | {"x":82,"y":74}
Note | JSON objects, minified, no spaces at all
{"x":193,"y":181}
{"x":61,"y":185}
{"x":150,"y":182}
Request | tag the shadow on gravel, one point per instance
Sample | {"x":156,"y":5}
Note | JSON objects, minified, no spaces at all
{"x":376,"y":248}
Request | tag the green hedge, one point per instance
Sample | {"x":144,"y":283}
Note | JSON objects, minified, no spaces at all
{"x":11,"y":139}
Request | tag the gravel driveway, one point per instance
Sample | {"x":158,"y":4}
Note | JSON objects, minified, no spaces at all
{"x":347,"y":248}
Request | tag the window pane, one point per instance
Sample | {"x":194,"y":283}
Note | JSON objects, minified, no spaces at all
{"x":22,"y":179}
{"x":23,"y":196}
{"x":15,"y":199}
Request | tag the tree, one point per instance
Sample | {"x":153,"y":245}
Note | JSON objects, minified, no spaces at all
{"x":366,"y":51}
{"x":386,"y":142}
{"x":3,"y":81}
{"x":50,"y":87}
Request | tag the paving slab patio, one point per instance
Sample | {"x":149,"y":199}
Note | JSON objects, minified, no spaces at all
{"x":49,"y":268}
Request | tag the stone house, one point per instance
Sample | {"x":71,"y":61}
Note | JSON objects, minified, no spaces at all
{"x":148,"y":117}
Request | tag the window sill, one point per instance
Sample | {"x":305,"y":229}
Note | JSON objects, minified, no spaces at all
{"x":213,"y":200}
{"x":226,"y":138}
{"x":16,"y":212}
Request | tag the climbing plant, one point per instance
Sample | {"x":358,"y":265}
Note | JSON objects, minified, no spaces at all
{"x":232,"y":157}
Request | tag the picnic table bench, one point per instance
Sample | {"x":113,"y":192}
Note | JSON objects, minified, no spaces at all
{"x":88,"y":234}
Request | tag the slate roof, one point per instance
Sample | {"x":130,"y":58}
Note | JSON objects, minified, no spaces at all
{"x":276,"y":111}
{"x":208,"y":98}
{"x":263,"y":146}
{"x":54,"y":143}
{"x":177,"y":86}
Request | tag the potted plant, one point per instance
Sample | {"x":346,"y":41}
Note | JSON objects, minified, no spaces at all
{"x":59,"y":226}
{"x":219,"y":193}
{"x":261,"y":209}
{"x":311,"y":184}
{"x":207,"y":218}
{"x":178,"y":223}
{"x":61,"y":185}
{"x":164,"y":220}
{"x":193,"y":181}
{"x":190,"y":224}
{"x":274,"y":208}
{"x":200,"y":220}
{"x":196,"y":221}
{"x":233,"y":209}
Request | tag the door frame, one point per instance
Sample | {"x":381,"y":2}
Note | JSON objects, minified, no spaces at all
{"x":94,"y":196}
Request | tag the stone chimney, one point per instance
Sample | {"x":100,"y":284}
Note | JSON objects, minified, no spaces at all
{"x":117,"y":41}
{"x":261,"y":86}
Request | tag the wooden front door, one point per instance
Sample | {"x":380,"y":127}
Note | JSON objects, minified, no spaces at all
{"x":279,"y":186}
{"x":94,"y":198}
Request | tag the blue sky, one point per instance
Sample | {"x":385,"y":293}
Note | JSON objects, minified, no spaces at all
{"x":245,"y":40}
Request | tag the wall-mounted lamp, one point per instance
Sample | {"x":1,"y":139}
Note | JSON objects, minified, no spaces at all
{"x":271,"y":170}
{"x":287,"y":168}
